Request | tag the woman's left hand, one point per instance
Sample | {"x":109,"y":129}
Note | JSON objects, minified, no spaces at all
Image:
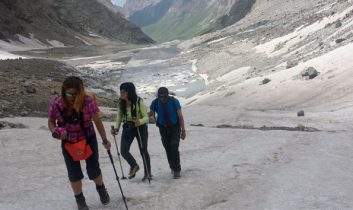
{"x":183,"y":134}
{"x":107,"y":145}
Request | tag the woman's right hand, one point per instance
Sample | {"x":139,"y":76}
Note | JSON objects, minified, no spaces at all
{"x":63,"y":135}
{"x":114,"y":131}
{"x":59,"y":133}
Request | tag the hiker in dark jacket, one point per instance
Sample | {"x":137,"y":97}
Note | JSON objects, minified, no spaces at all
{"x":171,"y":125}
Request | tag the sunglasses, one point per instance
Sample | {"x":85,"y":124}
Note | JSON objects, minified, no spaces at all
{"x":70,"y":95}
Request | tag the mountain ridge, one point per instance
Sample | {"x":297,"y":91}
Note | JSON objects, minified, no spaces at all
{"x":69,"y":22}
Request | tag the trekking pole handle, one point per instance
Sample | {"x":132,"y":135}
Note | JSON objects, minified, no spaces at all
{"x":113,"y":133}
{"x":114,"y":137}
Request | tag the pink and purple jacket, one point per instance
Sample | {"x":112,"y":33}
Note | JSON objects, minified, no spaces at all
{"x":75,"y":132}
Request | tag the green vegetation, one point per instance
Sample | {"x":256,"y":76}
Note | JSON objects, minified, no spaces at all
{"x":222,"y":21}
{"x":168,"y":28}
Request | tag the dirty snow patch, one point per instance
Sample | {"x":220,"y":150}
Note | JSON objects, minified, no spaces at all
{"x":234,"y":75}
{"x":103,"y":65}
{"x":56,"y":43}
{"x":6,"y":55}
{"x":217,"y":40}
{"x":195,"y":69}
{"x":84,"y":41}
{"x":85,"y":58}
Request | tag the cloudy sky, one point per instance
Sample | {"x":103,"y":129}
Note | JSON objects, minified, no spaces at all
{"x":119,"y":2}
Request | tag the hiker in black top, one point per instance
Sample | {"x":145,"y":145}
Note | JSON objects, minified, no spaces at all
{"x":170,"y":121}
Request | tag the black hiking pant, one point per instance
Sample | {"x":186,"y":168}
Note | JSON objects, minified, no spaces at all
{"x":128,"y":136}
{"x":171,"y":139}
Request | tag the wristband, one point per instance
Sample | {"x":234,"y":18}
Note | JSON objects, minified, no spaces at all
{"x":105,"y":142}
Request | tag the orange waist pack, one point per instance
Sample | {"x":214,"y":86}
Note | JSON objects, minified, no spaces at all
{"x":79,"y":151}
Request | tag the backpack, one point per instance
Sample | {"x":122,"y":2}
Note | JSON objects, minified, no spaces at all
{"x":133,"y":108}
{"x":155,"y":101}
{"x":80,"y":150}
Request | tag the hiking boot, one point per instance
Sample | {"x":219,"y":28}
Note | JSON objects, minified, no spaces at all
{"x":81,"y":202}
{"x":133,"y":171}
{"x":103,"y":194}
{"x":176,"y":175}
{"x":147,"y":177}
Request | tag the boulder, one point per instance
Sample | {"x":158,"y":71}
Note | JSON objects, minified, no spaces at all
{"x":30,"y":89}
{"x":301,"y":113}
{"x":24,"y":113}
{"x":340,"y":40}
{"x":338,"y":24}
{"x":53,"y":92}
{"x":265,"y":81}
{"x":309,"y":73}
{"x":291,"y":64}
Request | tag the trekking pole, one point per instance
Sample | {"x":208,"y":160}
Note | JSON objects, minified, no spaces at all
{"x":117,"y":149}
{"x":143,"y":154}
{"x":117,"y":178}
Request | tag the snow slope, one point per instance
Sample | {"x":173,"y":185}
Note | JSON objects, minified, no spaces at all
{"x":231,"y":169}
{"x":287,"y":90}
{"x":222,"y":169}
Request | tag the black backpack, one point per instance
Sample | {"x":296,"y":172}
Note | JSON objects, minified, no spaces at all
{"x":133,"y":109}
{"x":76,"y":117}
{"x":155,"y":101}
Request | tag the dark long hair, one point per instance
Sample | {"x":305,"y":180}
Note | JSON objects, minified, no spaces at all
{"x":130,"y":88}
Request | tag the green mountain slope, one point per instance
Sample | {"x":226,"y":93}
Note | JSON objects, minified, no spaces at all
{"x":168,"y":20}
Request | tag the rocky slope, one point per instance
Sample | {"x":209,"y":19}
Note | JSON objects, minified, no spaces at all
{"x":65,"y":22}
{"x":28,"y":84}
